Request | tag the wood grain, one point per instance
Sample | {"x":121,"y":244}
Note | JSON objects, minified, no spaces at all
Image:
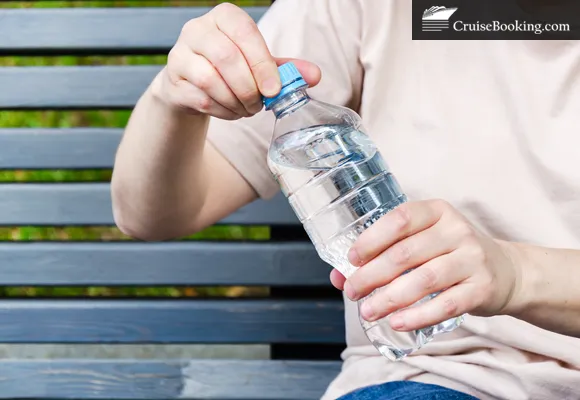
{"x":172,"y":321}
{"x":46,"y":148}
{"x":90,"y":204}
{"x":166,"y":379}
{"x":96,"y":30}
{"x":173,"y":263}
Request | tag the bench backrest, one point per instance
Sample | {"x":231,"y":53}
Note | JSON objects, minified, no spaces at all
{"x":294,"y":314}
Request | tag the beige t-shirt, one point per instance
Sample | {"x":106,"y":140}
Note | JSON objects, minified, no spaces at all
{"x":493,"y":127}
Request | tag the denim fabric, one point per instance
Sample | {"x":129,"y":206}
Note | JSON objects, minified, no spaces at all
{"x":404,"y":390}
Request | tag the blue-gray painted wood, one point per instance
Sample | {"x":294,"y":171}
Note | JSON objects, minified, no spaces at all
{"x":173,"y":263}
{"x":96,"y":30}
{"x":90,"y":204}
{"x":166,"y":379}
{"x":46,"y":148}
{"x":172,"y":321}
{"x":112,"y":87}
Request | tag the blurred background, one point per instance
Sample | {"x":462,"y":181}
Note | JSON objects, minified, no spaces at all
{"x":99,"y":118}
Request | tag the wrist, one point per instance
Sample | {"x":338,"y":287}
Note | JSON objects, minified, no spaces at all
{"x":526,"y":278}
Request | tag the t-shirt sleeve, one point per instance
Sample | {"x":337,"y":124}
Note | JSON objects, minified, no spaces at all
{"x":325,"y":32}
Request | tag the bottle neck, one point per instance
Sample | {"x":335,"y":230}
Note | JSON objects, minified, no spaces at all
{"x":290,"y":102}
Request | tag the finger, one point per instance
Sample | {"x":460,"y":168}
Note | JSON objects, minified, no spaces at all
{"x":309,"y":71}
{"x":408,"y":253}
{"x":228,"y":60}
{"x":405,"y":220}
{"x":337,"y":279}
{"x":451,"y":303}
{"x":241,"y":29}
{"x":199,"y":72}
{"x":430,"y":278}
{"x":190,"y":97}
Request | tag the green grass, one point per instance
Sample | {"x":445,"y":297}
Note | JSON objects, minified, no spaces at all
{"x":99,"y":118}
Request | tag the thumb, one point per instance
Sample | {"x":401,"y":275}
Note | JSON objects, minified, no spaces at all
{"x":309,"y":71}
{"x":337,"y":279}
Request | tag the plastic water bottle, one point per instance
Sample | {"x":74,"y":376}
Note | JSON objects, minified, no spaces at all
{"x":338,"y":185}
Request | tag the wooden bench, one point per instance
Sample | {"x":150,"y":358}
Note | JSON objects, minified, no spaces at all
{"x":302,"y":319}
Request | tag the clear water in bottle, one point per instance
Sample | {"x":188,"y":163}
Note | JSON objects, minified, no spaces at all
{"x":338,"y":185}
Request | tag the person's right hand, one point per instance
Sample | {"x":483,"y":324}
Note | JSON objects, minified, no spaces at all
{"x":220,"y":65}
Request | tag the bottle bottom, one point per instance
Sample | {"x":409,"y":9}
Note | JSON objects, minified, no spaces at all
{"x":396,"y":345}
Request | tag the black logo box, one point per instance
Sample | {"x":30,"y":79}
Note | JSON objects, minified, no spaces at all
{"x":500,"y":20}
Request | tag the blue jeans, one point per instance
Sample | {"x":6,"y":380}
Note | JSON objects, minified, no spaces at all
{"x":404,"y":390}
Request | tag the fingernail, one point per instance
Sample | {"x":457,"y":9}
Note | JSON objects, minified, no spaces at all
{"x":349,"y":290}
{"x":366,"y":311}
{"x":353,"y":257}
{"x":397,"y":322}
{"x":270,"y":87}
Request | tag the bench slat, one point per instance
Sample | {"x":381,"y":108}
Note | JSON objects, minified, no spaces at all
{"x":172,"y":321}
{"x":151,"y":379}
{"x":111,"y":87}
{"x":90,"y":204}
{"x":174,"y":263}
{"x":45,"y":148}
{"x":96,"y":30}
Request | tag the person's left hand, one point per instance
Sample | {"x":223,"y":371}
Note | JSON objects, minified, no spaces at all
{"x":477,"y":273}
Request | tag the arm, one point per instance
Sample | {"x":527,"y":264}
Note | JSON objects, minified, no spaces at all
{"x":550,"y":288}
{"x":476,"y":274}
{"x":167,"y":177}
{"x":168,"y":181}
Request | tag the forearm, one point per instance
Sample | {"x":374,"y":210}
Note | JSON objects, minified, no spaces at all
{"x":549,"y":292}
{"x":158,"y":183}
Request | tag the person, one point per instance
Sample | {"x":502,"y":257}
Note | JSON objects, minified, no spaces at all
{"x":481,"y":135}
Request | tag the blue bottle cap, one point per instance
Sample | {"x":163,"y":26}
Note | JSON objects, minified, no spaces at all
{"x":291,"y":80}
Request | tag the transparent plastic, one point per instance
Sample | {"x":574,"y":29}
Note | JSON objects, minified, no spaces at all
{"x":338,"y":185}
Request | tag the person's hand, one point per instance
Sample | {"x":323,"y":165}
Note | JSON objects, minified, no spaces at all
{"x":477,"y":273}
{"x":220,"y":65}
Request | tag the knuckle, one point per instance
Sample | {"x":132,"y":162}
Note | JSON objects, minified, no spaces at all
{"x":203,"y":103}
{"x":401,"y":217}
{"x":399,"y":254}
{"x":224,"y":55}
{"x":477,"y":253}
{"x":249,"y":97}
{"x":175,"y":58}
{"x":450,"y":307}
{"x":190,"y":27}
{"x":173,"y":55}
{"x":225,"y":7}
{"x":244,"y":28}
{"x":204,"y":81}
{"x":428,"y":277}
{"x":386,"y":301}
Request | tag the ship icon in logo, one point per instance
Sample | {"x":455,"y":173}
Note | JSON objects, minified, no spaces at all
{"x":436,"y":18}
